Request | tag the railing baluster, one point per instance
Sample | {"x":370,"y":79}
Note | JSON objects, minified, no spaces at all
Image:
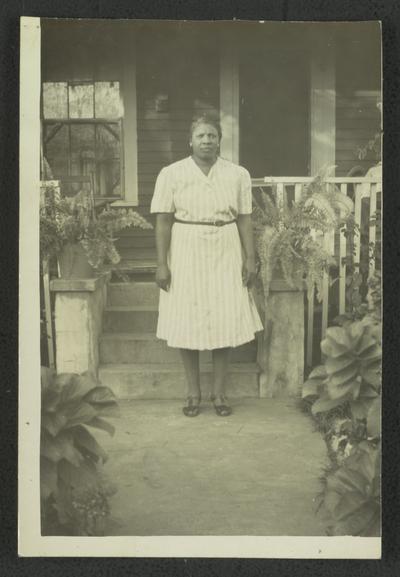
{"x":310,"y":330}
{"x":329,"y":244}
{"x":280,"y":193}
{"x":372,"y":226}
{"x":297,"y":191}
{"x":357,"y":218}
{"x":342,"y":266}
{"x":47,"y":308}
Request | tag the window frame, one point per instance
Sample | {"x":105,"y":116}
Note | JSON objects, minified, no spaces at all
{"x":68,"y":121}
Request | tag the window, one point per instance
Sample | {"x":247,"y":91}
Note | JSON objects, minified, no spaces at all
{"x":82,"y":135}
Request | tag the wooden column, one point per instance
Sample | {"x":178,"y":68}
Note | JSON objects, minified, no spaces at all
{"x":129,"y":136}
{"x":323,"y":105}
{"x":229,"y":97}
{"x":322,"y":131}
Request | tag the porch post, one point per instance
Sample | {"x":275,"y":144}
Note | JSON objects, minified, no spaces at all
{"x":229,"y":97}
{"x":323,"y":104}
{"x":129,"y":136}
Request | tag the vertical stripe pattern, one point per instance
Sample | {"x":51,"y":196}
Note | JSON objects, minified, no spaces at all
{"x":207,"y":305}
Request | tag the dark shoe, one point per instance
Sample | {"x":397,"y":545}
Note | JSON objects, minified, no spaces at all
{"x":192,"y":408}
{"x":222,"y":409}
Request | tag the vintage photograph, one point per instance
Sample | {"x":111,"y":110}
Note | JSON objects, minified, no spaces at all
{"x":210,"y":278}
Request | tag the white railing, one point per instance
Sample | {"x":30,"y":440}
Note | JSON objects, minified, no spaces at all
{"x":366,"y":193}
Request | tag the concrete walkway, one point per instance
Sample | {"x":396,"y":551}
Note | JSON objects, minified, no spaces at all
{"x":253,"y":473}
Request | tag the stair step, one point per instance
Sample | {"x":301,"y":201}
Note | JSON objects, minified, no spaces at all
{"x":132,"y":252}
{"x":139,"y":270}
{"x":132,"y":294}
{"x":147,"y":348}
{"x":124,"y":319}
{"x":167,"y":381}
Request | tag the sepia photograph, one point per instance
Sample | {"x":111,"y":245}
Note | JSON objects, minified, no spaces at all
{"x":207,"y":247}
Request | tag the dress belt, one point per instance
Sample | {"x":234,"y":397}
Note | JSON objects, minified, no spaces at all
{"x":213,"y":223}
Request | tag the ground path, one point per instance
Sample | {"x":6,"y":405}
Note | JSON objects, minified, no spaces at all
{"x":253,"y":473}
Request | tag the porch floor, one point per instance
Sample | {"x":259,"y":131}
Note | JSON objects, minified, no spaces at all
{"x":253,"y":473}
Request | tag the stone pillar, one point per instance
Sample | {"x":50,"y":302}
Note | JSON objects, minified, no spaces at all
{"x":281,"y":347}
{"x":79,"y":306}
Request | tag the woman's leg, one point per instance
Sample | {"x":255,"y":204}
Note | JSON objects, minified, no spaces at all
{"x":221,"y":364}
{"x":190,"y":360}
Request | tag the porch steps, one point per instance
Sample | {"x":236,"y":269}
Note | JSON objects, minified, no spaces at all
{"x":137,"y":365}
{"x":146,"y":347}
{"x":123,"y":318}
{"x":167,"y":381}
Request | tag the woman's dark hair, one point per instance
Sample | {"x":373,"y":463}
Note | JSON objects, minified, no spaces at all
{"x":211,"y":118}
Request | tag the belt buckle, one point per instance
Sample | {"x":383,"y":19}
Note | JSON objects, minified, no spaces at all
{"x":219,"y":222}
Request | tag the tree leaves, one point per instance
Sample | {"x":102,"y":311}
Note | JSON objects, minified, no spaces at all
{"x":325,"y":403}
{"x":351,"y":497}
{"x":48,"y":478}
{"x":99,"y":395}
{"x":77,"y":387}
{"x":100,"y":423}
{"x":86,"y":442}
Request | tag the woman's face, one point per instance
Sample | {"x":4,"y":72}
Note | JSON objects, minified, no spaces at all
{"x":205,"y":141}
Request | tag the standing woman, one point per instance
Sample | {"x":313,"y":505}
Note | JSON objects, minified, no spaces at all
{"x":206,"y":261}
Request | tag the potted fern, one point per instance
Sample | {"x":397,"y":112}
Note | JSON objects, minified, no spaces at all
{"x":289,"y":236}
{"x":81,"y":238}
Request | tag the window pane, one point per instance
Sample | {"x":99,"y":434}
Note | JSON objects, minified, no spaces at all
{"x":107,"y":100}
{"x":82,"y":149}
{"x":81,"y":101}
{"x":55,"y":100}
{"x":108,"y":159}
{"x":55,"y":148}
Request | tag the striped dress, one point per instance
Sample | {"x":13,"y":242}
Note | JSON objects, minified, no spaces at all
{"x":207,"y":306}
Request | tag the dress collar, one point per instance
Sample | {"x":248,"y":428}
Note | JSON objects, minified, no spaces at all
{"x":206,"y":176}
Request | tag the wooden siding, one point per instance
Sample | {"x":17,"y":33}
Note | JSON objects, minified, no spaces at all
{"x":187,"y":71}
{"x":357,"y":121}
{"x":358,"y":89}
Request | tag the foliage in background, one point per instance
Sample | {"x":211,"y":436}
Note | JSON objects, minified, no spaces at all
{"x":289,"y":236}
{"x":346,"y":393}
{"x":74,"y":219}
{"x":74,"y":495}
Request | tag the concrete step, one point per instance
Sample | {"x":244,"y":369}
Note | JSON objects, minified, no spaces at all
{"x":131,"y":252}
{"x":167,"y":381}
{"x":133,"y":294}
{"x":125,"y":319}
{"x":137,"y":347}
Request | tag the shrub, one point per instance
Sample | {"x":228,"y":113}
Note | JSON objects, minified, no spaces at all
{"x":350,"y":381}
{"x":70,"y":456}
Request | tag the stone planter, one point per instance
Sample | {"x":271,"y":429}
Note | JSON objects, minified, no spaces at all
{"x":281,"y":346}
{"x":73,"y":262}
{"x":79,"y":306}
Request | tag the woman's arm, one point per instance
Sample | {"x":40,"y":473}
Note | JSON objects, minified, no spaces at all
{"x":164,"y":223}
{"x":245,"y":228}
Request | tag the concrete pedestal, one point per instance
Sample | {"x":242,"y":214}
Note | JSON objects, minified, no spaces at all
{"x":79,"y":309}
{"x":281,"y":347}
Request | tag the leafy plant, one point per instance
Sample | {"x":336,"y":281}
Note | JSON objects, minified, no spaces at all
{"x":72,"y":405}
{"x":351,"y":372}
{"x":350,"y":380}
{"x":351,"y":496}
{"x":65,"y":220}
{"x":288,"y":236}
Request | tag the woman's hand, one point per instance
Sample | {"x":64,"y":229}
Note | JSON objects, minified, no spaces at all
{"x":163,"y":277}
{"x":249,"y":272}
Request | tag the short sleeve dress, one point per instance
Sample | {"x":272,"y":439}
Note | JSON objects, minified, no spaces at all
{"x":207,"y":306}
